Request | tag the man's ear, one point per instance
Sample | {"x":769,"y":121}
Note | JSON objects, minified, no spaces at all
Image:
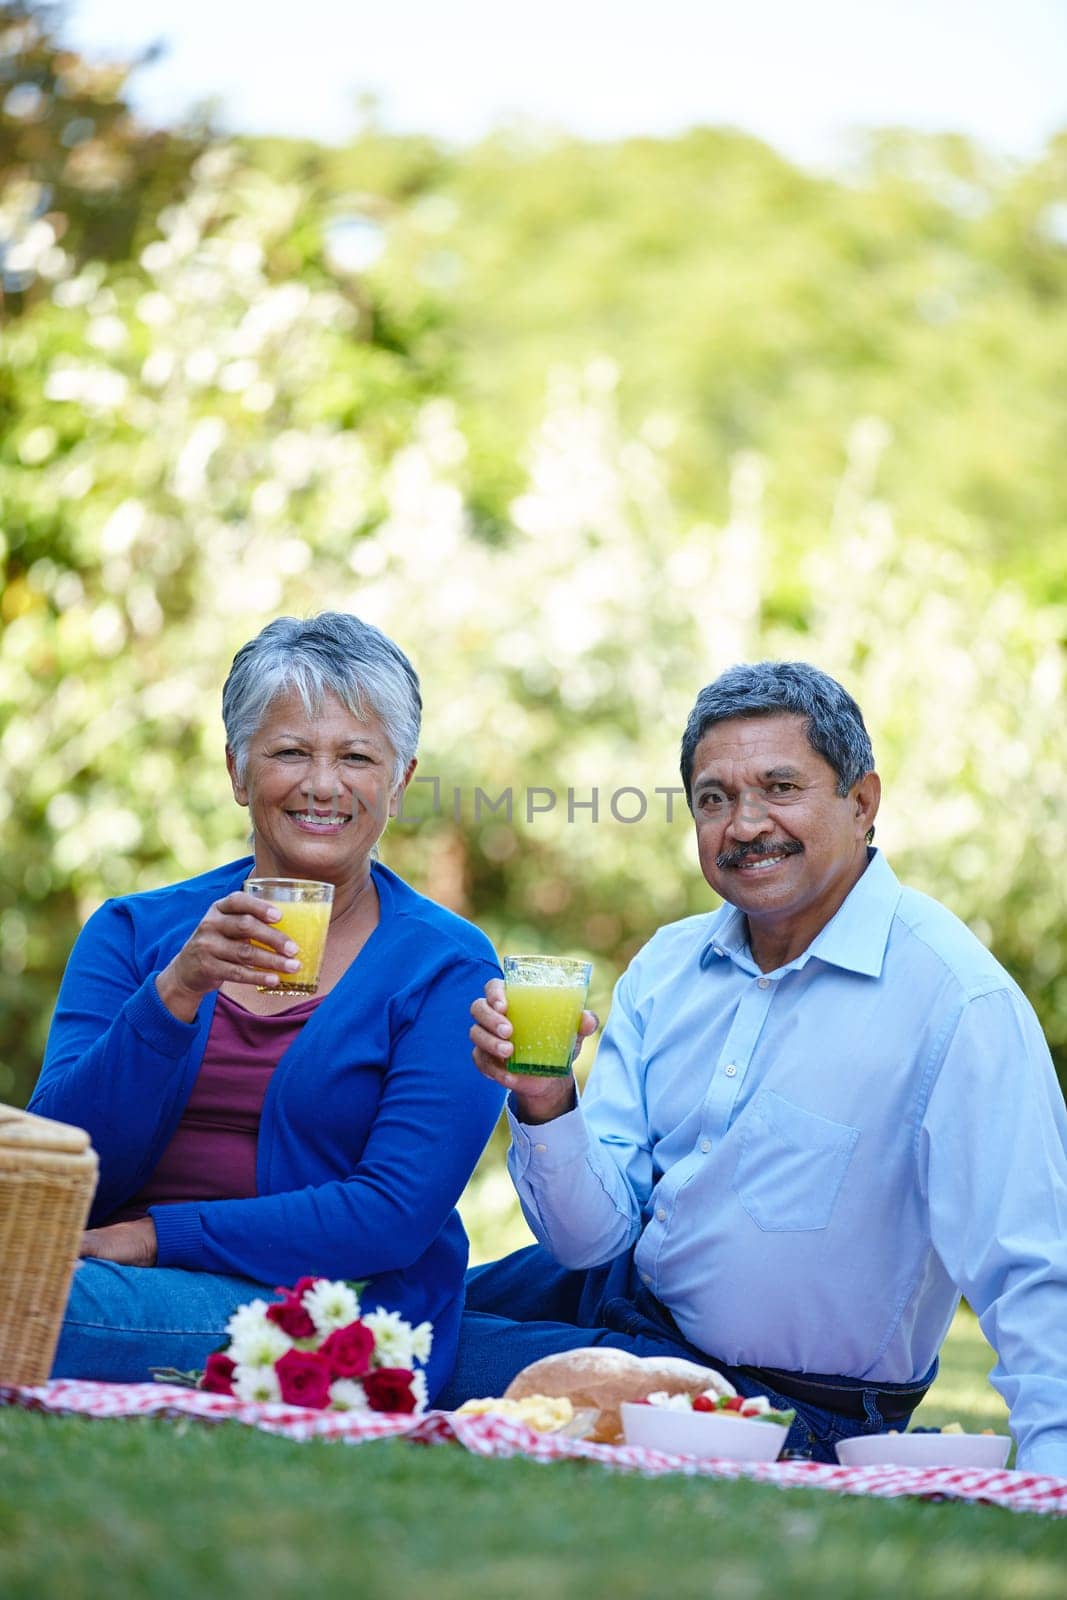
{"x":397,"y":795}
{"x":240,"y":792}
{"x":866,"y":797}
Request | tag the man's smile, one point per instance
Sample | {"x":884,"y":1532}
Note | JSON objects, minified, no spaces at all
{"x":757,"y":857}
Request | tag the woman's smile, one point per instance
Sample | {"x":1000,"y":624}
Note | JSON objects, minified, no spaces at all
{"x":319,"y":821}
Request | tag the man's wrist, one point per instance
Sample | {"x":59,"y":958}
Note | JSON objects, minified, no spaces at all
{"x":542,"y":1108}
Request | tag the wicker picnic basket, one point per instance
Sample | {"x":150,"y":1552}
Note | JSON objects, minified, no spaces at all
{"x":47,"y":1179}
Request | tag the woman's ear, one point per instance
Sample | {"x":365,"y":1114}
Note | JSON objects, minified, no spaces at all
{"x":397,"y":796}
{"x":240,"y":793}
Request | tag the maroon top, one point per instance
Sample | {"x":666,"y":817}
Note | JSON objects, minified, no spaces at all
{"x":212,"y":1152}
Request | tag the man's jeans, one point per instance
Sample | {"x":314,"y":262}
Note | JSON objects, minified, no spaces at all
{"x":526,"y":1306}
{"x":122,"y":1321}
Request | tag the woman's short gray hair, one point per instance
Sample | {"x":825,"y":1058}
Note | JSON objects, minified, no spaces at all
{"x":333,"y":653}
{"x":835,"y":725}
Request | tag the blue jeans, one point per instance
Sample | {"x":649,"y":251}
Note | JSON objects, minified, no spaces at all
{"x":527,"y":1306}
{"x":122,"y":1321}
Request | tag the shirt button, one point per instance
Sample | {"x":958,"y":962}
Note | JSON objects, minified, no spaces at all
{"x":646,"y":1278}
{"x":705,"y":1146}
{"x":764,"y":983}
{"x":661,"y":1215}
{"x":730,"y":1071}
{"x":540,"y":1148}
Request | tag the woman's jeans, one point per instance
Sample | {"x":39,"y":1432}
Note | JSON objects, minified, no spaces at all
{"x":123,"y":1321}
{"x":527,"y":1306}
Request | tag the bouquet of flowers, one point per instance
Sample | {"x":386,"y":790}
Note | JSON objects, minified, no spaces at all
{"x":315,"y":1347}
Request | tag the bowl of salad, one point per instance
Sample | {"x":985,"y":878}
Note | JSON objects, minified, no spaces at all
{"x":707,"y":1426}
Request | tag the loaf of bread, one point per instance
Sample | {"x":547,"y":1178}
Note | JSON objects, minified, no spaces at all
{"x":601,"y":1379}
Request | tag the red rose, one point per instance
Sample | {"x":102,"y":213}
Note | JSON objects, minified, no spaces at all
{"x":305,"y":1379}
{"x":301,"y":1287}
{"x":348,"y":1350}
{"x":218,"y":1374}
{"x":389,"y":1389}
{"x":291,"y":1317}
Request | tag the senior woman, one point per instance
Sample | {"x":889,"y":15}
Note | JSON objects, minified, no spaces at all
{"x":247,"y":1139}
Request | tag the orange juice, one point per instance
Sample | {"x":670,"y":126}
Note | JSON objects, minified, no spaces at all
{"x":306,"y":922}
{"x":305,"y":905}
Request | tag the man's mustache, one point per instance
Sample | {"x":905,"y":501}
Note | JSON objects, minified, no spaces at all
{"x":753,"y":852}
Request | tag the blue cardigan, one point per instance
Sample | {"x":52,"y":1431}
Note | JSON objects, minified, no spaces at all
{"x":373,"y":1119}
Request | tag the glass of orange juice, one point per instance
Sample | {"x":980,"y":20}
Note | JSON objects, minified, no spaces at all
{"x":546,"y":995}
{"x":305,"y":905}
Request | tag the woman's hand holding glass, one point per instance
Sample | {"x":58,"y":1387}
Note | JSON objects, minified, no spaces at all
{"x":221,"y":950}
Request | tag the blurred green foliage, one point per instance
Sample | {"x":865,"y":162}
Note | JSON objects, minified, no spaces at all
{"x":752,"y":306}
{"x":578,"y":425}
{"x":80,"y":179}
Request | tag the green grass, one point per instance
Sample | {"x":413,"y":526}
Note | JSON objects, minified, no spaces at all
{"x":169,"y":1510}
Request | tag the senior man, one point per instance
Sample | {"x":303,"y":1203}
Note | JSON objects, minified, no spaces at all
{"x":817,"y":1116}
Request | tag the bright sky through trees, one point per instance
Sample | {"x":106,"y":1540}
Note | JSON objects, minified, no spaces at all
{"x":797,"y":75}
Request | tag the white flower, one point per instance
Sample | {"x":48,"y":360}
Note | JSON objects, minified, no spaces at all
{"x":348,"y":1395}
{"x":419,"y":1390}
{"x":254,"y":1314}
{"x":421,"y":1340}
{"x":331,"y":1305}
{"x":260,"y":1348}
{"x":393,"y":1338}
{"x":256,"y":1383}
{"x":255,"y":1342}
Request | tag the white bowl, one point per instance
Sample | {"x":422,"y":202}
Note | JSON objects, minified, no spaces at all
{"x":704,"y":1434}
{"x":925,"y":1450}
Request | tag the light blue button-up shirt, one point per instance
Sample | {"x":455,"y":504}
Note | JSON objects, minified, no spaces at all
{"x":816,"y":1161}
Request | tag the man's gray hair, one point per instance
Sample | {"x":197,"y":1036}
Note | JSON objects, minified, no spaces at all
{"x":835,"y":726}
{"x":333,"y":653}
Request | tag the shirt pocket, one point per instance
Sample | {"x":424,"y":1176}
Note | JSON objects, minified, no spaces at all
{"x":790,"y":1165}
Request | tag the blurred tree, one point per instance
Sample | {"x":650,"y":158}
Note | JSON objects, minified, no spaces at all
{"x":79,"y":178}
{"x":752,"y":306}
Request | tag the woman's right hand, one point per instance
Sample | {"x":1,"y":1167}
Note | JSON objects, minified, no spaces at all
{"x":220,"y":950}
{"x":536,"y":1099}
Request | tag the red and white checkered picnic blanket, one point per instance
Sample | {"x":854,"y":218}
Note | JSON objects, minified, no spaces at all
{"x":498,"y":1436}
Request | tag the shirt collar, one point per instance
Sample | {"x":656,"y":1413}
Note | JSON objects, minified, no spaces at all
{"x":855,"y":938}
{"x":728,"y":937}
